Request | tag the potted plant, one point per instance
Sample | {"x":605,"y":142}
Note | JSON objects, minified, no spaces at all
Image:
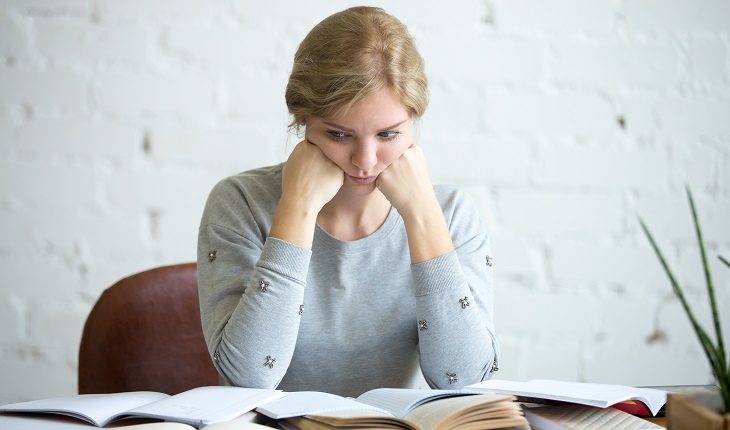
{"x":709,"y":410}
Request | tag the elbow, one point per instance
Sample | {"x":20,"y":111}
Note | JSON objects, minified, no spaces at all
{"x":241,"y":371}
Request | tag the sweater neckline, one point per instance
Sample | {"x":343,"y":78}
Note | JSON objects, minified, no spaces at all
{"x":321,"y":237}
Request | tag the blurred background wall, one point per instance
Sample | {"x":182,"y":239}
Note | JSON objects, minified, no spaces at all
{"x":563,"y":118}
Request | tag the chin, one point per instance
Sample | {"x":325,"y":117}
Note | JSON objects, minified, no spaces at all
{"x":361,"y":190}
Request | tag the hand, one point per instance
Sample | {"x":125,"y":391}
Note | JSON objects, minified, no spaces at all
{"x":309,"y":178}
{"x":406,"y":183}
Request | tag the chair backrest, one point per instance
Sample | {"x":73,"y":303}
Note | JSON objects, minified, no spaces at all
{"x":144,"y":334}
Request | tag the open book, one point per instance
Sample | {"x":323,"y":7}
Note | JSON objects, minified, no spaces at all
{"x":599,"y":395}
{"x":397,"y":408}
{"x":197,"y":407}
{"x":583,"y":417}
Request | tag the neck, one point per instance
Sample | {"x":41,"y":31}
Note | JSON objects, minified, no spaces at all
{"x":351,"y":217}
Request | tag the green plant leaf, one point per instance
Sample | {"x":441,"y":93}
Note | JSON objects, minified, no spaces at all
{"x":705,"y":341}
{"x":708,"y":280}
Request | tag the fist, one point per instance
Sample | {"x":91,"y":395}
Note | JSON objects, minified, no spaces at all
{"x":309,"y":178}
{"x":406,"y":183}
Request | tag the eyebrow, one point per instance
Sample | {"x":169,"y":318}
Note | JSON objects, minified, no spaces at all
{"x":333,"y":125}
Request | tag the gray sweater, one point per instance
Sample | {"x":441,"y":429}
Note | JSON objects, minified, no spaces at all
{"x":347,"y":316}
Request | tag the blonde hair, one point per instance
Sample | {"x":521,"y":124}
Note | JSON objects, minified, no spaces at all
{"x":349,"y":56}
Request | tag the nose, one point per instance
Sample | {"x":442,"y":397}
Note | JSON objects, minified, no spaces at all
{"x":364,"y":155}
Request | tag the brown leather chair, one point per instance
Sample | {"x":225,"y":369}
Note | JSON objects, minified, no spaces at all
{"x":144,"y":334}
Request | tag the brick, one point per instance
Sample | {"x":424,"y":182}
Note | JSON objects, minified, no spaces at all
{"x":46,"y":186}
{"x":72,"y":40}
{"x":166,"y":190}
{"x":676,"y":117}
{"x":560,"y":359}
{"x":147,"y":93}
{"x":507,"y":59}
{"x":30,"y":364}
{"x":59,"y":324}
{"x":608,"y":64}
{"x":634,"y":321}
{"x":594,"y":263}
{"x":44,"y":89}
{"x":238,"y":147}
{"x":577,"y":313}
{"x":53,"y":7}
{"x":8,"y":134}
{"x":232,"y":48}
{"x":707,"y":61}
{"x":482,"y":198}
{"x":13,"y":35}
{"x":72,"y":240}
{"x":177,"y":236}
{"x":12,"y":317}
{"x":550,"y":213}
{"x":258,"y":101}
{"x":492,"y":58}
{"x":696,"y":116}
{"x":699,"y":165}
{"x":676,"y":341}
{"x":676,"y":15}
{"x":159,"y":11}
{"x":553,"y":114}
{"x":605,"y":167}
{"x":35,"y":273}
{"x":689,"y":272}
{"x":514,"y":356}
{"x":517,"y":260}
{"x":466,"y":113}
{"x":609,"y":365}
{"x":492,"y":158}
{"x":89,"y":138}
{"x":669,"y":218}
{"x":594,"y":16}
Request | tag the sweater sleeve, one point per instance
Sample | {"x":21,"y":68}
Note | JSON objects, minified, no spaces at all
{"x":454,"y":304}
{"x":251,"y":291}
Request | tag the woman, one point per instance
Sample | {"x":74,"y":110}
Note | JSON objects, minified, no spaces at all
{"x":343,"y":268}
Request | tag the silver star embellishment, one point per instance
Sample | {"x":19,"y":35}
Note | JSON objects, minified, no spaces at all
{"x":301,"y":309}
{"x":464,"y":302}
{"x":263,"y":286}
{"x":452,"y":377}
{"x":269,"y":362}
{"x":490,"y":261}
{"x":211,"y":255}
{"x":422,"y":325}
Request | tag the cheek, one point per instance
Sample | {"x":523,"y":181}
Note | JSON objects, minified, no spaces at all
{"x":336,"y":153}
{"x":390,"y":153}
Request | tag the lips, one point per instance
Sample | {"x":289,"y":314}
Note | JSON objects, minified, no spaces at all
{"x":362,"y":180}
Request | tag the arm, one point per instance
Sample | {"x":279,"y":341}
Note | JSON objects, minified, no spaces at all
{"x":242,"y":323}
{"x":454,"y":296}
{"x":252,"y":284}
{"x":453,"y":283}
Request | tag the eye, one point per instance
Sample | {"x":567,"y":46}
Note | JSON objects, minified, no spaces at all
{"x":337,"y":135}
{"x":388,"y":135}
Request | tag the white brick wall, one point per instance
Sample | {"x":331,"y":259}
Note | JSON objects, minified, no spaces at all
{"x":564,"y":119}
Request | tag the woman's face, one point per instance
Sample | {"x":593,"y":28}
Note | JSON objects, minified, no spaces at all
{"x":366,"y":140}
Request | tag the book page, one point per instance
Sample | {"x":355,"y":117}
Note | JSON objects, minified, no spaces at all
{"x":351,"y":420}
{"x":599,"y":395}
{"x":582,"y":417}
{"x":207,"y":405}
{"x":400,"y":401}
{"x":486,"y":411}
{"x":300,"y":403}
{"x":97,"y":409}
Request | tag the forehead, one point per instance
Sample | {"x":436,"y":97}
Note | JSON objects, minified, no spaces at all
{"x":380,"y":109}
